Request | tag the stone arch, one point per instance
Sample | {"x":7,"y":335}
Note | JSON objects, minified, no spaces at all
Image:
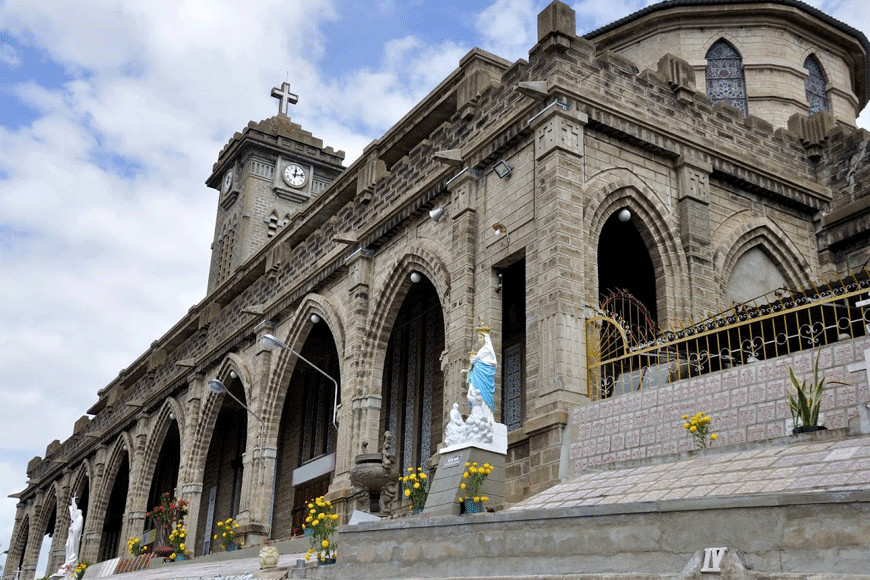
{"x":741,"y":233}
{"x":612,"y":189}
{"x":422,"y":257}
{"x":123,"y":443}
{"x":44,"y":508}
{"x":84,"y":470}
{"x":727,"y":37}
{"x":18,"y":545}
{"x":284,"y":362}
{"x":239,"y":365}
{"x":158,"y":428}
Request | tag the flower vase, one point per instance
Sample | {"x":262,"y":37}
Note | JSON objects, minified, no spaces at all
{"x":180,"y":557}
{"x":473,"y":507}
{"x":230,"y":547}
{"x":309,"y":532}
{"x":417,"y":510}
{"x":325,"y":562}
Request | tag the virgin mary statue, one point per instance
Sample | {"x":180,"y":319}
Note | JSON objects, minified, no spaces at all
{"x":482,"y":371}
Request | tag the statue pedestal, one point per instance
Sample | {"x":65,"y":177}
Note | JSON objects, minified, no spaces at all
{"x":444,"y":492}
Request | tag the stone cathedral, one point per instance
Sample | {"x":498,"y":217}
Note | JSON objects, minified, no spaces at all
{"x":695,"y":154}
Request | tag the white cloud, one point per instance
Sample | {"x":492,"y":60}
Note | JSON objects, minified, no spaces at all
{"x":9,"y":57}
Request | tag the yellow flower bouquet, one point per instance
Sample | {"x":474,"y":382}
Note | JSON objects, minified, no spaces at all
{"x":416,"y":487}
{"x":226,"y":534}
{"x":323,"y":524}
{"x":178,"y":539}
{"x":472,"y":481}
{"x":698,"y":426}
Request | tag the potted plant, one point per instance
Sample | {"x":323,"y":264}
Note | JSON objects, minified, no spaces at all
{"x":472,"y":480}
{"x":806,"y":401}
{"x":178,"y":539}
{"x":227,"y":535}
{"x":168,"y":513}
{"x":79,"y":571}
{"x":416,"y":488}
{"x":323,"y":524}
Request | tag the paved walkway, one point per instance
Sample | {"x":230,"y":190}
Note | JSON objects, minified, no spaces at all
{"x":822,"y":461}
{"x":233,"y":569}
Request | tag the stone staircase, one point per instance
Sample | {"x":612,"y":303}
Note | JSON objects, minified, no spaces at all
{"x":795,"y":507}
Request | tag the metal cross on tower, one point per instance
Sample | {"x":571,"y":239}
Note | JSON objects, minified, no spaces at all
{"x":285,"y":98}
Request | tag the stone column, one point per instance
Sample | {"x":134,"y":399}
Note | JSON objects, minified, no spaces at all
{"x":190,"y":491}
{"x":359,"y":416}
{"x":259,"y":458}
{"x":460,"y":335}
{"x":561,"y":286}
{"x":693,"y":208}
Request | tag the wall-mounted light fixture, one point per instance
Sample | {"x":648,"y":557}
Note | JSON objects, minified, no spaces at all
{"x":233,"y":375}
{"x":315,"y":319}
{"x":624,"y":215}
{"x":436,"y":214}
{"x":171,"y":416}
{"x":499,"y":228}
{"x":271,"y":342}
{"x":502,"y":169}
{"x":416,"y":277}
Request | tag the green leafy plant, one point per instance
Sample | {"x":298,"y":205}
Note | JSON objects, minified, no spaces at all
{"x":178,"y":539}
{"x":806,"y":400}
{"x":698,"y":426}
{"x":322,"y":523}
{"x":416,"y":487}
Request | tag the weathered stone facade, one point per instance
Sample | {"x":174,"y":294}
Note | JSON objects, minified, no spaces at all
{"x":586,"y":130}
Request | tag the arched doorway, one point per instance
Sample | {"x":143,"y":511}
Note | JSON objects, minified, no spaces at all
{"x":110,"y":540}
{"x":165,"y":476}
{"x":45,"y":557}
{"x":222,"y":478}
{"x":413,"y":383}
{"x":307,"y":440}
{"x":624,"y":264}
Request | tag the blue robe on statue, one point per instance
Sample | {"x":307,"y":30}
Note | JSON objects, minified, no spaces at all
{"x":482,"y":376}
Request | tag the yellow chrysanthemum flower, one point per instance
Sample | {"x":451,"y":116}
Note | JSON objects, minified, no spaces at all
{"x":407,"y":493}
{"x":714,"y":436}
{"x":325,"y":543}
{"x":461,"y":486}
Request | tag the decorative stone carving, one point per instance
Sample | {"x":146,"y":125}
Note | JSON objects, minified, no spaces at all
{"x":374,"y":476}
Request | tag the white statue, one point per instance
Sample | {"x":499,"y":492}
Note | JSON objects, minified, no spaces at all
{"x":455,"y":432}
{"x":73,"y":541}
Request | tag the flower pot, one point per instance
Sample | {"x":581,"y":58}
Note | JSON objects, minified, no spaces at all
{"x":180,"y":557}
{"x":417,"y":510}
{"x":164,"y":551}
{"x":309,"y":532}
{"x":230,"y":547}
{"x":808,"y":429}
{"x":325,"y":562}
{"x":473,"y":507}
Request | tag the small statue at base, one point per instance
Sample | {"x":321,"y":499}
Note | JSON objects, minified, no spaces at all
{"x":455,"y":432}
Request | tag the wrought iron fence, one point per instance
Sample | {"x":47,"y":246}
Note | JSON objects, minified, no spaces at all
{"x":623,"y":356}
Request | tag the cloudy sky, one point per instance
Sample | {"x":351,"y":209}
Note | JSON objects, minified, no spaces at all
{"x":111,"y":115}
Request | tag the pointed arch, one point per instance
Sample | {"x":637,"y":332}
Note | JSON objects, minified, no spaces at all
{"x":121,"y":446}
{"x":617,"y":188}
{"x":83,"y":471}
{"x":159,"y":428}
{"x":724,"y":75}
{"x":815,"y":85}
{"x":284,"y":362}
{"x":394,"y":285}
{"x":741,"y":233}
{"x":18,"y":546}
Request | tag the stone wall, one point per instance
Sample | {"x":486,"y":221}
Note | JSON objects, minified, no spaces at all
{"x":747,"y":403}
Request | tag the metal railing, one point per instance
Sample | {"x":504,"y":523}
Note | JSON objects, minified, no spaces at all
{"x":624,"y":357}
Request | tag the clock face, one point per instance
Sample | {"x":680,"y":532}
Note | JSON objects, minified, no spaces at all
{"x":294,"y":175}
{"x":228,"y":181}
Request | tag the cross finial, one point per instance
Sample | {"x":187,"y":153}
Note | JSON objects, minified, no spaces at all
{"x":284,"y":97}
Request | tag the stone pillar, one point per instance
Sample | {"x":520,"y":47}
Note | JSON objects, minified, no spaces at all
{"x":460,"y":336}
{"x":259,"y":458}
{"x":359,"y":416}
{"x":693,"y":208}
{"x":190,"y":491}
{"x":561,"y":287}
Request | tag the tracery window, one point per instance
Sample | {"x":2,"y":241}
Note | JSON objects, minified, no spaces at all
{"x":817,"y":95}
{"x":725,"y":81}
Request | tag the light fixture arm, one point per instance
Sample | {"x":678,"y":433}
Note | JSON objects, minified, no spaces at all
{"x":270,"y":341}
{"x":216,"y":386}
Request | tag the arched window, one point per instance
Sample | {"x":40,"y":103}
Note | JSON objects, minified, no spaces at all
{"x":725,"y":80}
{"x":817,"y":94}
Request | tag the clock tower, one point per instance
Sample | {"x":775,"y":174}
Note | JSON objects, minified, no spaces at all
{"x":264,"y":175}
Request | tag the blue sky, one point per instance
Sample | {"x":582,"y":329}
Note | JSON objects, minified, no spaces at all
{"x":111,"y":115}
